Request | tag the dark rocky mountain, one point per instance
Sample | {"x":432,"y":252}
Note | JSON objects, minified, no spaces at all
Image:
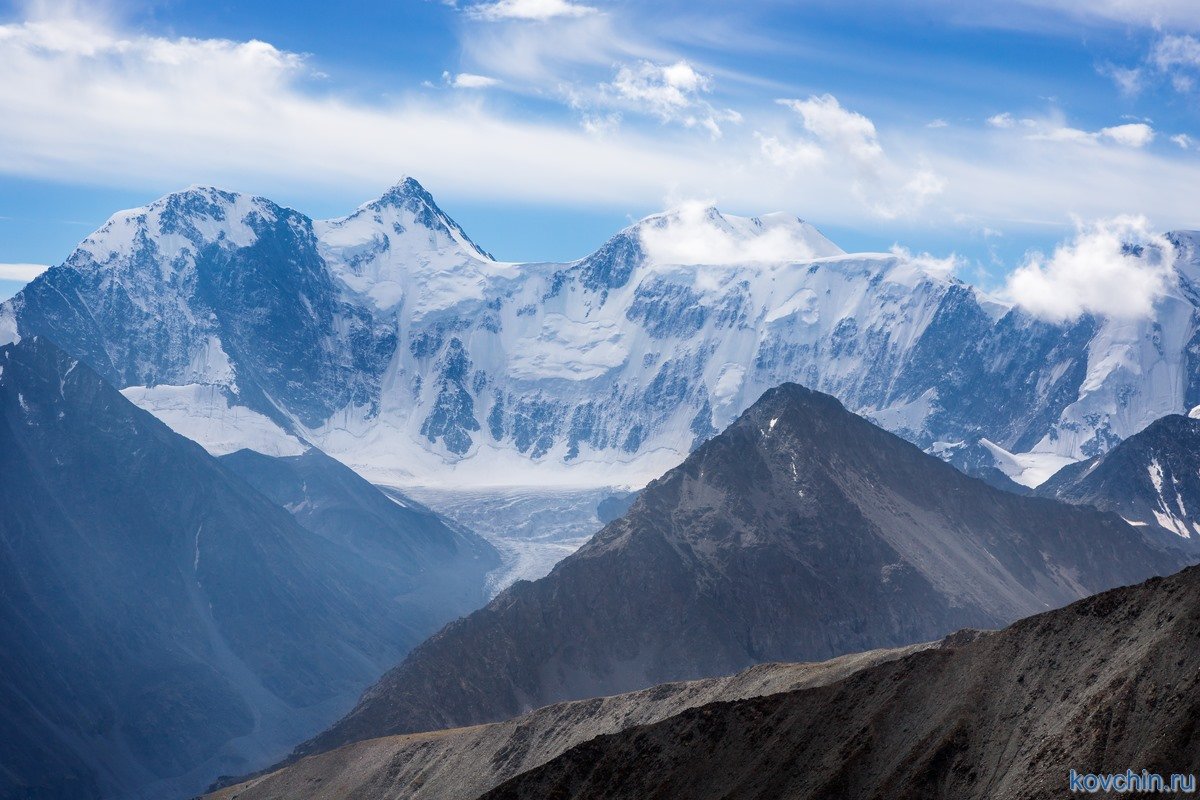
{"x":1106,"y":685}
{"x":1151,"y":479}
{"x":463,"y":763}
{"x":161,"y":621}
{"x":802,"y":532}
{"x":436,"y":569}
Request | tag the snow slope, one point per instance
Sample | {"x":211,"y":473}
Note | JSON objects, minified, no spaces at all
{"x":393,"y":342}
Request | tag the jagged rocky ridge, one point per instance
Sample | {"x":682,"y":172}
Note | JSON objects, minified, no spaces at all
{"x":1106,"y":685}
{"x":161,"y":621}
{"x":393,"y":342}
{"x":801,"y":532}
{"x":463,"y":763}
{"x":1151,"y":479}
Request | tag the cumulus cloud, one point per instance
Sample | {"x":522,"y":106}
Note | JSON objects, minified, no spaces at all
{"x":694,"y":233}
{"x":1002,"y":120}
{"x":1133,"y":134}
{"x":930,"y":264}
{"x":1184,"y":141}
{"x":467,"y":80}
{"x":533,"y":10}
{"x":21,"y":272}
{"x":1116,"y":267}
{"x":851,"y":138}
{"x":671,"y":92}
{"x":845,"y":130}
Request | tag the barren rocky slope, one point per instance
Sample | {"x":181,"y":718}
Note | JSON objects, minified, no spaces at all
{"x":1108,"y":684}
{"x":462,"y":763}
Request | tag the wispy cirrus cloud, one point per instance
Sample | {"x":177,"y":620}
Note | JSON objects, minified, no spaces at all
{"x":1053,"y":128}
{"x":21,"y":272}
{"x":468,"y":80}
{"x":90,"y":101}
{"x":850,"y":139}
{"x":530,"y":10}
{"x":671,"y":92}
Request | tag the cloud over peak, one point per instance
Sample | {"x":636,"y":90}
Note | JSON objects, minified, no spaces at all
{"x":1114,"y":267}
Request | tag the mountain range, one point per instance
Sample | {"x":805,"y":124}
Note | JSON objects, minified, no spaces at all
{"x":801,"y":532}
{"x":396,"y":344}
{"x":162,"y":621}
{"x":206,"y":606}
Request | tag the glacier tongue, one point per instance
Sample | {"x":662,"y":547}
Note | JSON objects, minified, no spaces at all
{"x":392,"y":341}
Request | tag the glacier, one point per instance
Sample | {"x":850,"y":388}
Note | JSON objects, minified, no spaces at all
{"x":393,"y":342}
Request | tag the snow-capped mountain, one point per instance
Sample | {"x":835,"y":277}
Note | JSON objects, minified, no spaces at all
{"x":393,"y":342}
{"x":1151,"y":479}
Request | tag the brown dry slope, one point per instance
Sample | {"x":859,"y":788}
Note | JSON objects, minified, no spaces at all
{"x":463,"y":763}
{"x":1107,"y":684}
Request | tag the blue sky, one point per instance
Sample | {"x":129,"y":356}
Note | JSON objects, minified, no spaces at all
{"x":543,"y":126}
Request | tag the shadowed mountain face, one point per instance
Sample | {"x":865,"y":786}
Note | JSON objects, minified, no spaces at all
{"x":1109,"y":684}
{"x":800,"y":533}
{"x":161,"y":621}
{"x":436,"y":569}
{"x":1151,"y":479}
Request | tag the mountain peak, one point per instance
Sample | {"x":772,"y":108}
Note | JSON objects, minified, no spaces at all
{"x":404,"y":190}
{"x":800,"y":532}
{"x":407,"y":204}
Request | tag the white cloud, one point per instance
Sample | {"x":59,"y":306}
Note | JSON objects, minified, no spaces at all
{"x":21,"y":272}
{"x":671,"y":92}
{"x":847,"y":131}
{"x":930,"y":264}
{"x":792,"y":156}
{"x":467,"y":80}
{"x":1054,"y":129}
{"x":534,"y":10}
{"x":1183,"y":140}
{"x":1150,"y":13}
{"x":1178,"y":58}
{"x":887,"y":189}
{"x":1116,"y":267}
{"x":694,"y":234}
{"x":1133,"y":134}
{"x":937,"y":123}
{"x":1175,"y":51}
{"x":1128,"y":80}
{"x":94,"y":104}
